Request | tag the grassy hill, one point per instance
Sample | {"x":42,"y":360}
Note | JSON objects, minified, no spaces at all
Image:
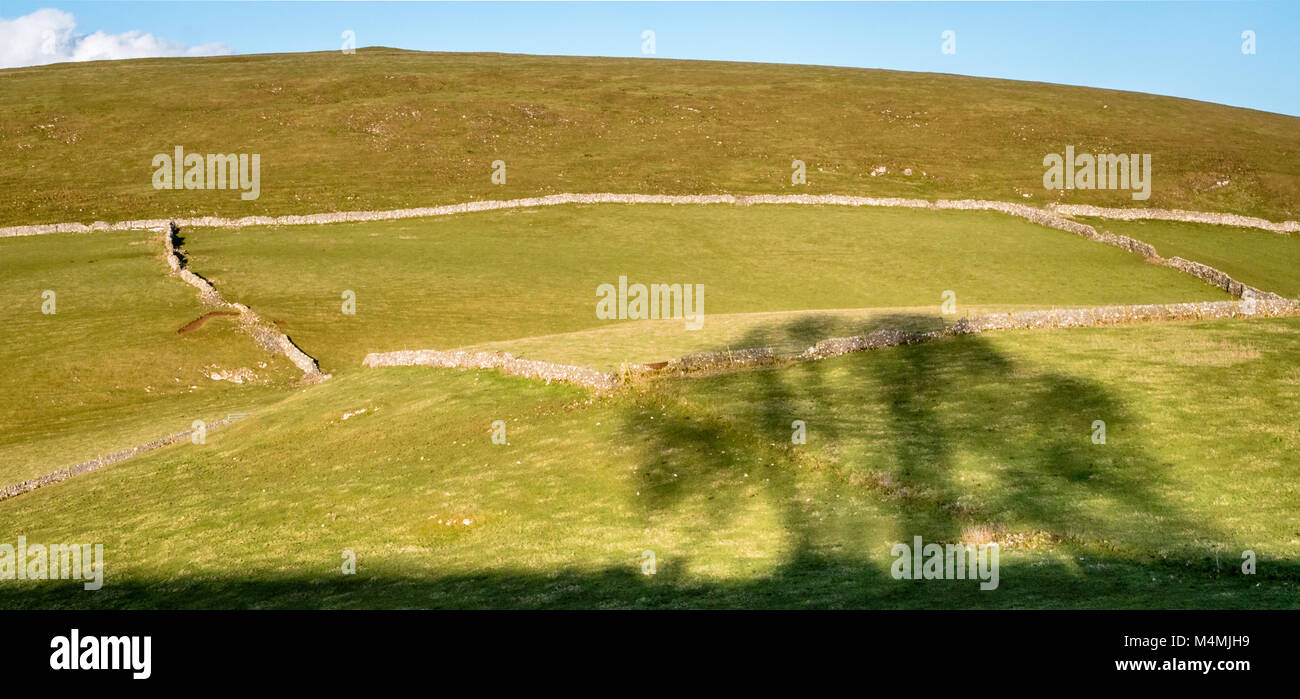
{"x":950,"y":441}
{"x":386,"y":129}
{"x":965,"y":439}
{"x":109,"y":369}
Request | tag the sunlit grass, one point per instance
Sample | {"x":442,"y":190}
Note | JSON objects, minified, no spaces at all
{"x":1260,"y":258}
{"x":387,"y":129}
{"x":496,"y":277}
{"x":108,"y":369}
{"x":937,"y":440}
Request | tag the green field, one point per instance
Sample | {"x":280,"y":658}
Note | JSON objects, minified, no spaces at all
{"x":1262,"y":259}
{"x":386,"y":129}
{"x":702,"y":472}
{"x":969,"y":438}
{"x":108,"y":369}
{"x":498,"y":277}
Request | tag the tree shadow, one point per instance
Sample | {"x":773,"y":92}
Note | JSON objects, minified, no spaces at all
{"x":806,"y":582}
{"x":950,"y":440}
{"x":953,"y":439}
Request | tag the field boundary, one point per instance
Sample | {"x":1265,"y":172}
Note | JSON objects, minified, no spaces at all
{"x":1051,"y":217}
{"x":99,"y":462}
{"x":503,"y":361}
{"x":1180,"y":215}
{"x":266,"y":334}
{"x":1053,"y":211}
{"x":726,"y":361}
{"x":1254,"y":302}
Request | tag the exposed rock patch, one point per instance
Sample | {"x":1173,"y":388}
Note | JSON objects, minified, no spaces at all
{"x":198,"y":322}
{"x":241,"y":375}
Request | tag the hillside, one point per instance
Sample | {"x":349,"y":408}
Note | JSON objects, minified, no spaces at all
{"x":387,"y":128}
{"x":1115,"y":413}
{"x":504,"y":276}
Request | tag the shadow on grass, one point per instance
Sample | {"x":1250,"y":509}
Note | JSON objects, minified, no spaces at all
{"x":951,"y":440}
{"x":806,"y":582}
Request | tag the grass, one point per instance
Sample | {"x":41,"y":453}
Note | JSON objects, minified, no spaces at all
{"x":650,"y":341}
{"x":386,"y":129}
{"x":963,"y":439}
{"x":108,"y":370}
{"x":497,"y":277}
{"x":978,"y":432}
{"x":1262,"y":259}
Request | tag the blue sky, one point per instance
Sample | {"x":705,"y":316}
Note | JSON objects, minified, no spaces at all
{"x":1186,"y":49}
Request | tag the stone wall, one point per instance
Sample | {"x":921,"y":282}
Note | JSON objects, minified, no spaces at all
{"x":503,"y":361}
{"x":1218,"y":278}
{"x":732,"y":360}
{"x":1177,"y":215}
{"x":1097,"y":316}
{"x":273,"y":340}
{"x":1053,"y":216}
{"x":64,"y":474}
{"x":1100,"y":316}
{"x":264,"y":333}
{"x":1046,"y":217}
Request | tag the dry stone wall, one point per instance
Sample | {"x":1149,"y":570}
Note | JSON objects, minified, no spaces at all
{"x":64,"y":474}
{"x":1053,"y":216}
{"x":503,"y":361}
{"x":1219,"y":279}
{"x":1098,"y":316}
{"x":1177,"y":215}
{"x":1046,"y":217}
{"x":264,"y":333}
{"x":733,"y":360}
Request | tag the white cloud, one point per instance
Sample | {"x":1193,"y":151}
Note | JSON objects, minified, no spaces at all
{"x":50,"y":36}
